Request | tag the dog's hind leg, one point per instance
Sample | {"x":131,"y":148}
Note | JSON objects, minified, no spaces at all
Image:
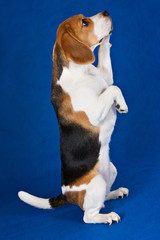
{"x":93,"y":202}
{"x":113,"y":174}
{"x":120,"y":192}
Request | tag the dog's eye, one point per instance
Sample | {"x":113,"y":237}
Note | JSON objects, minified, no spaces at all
{"x":85,"y":22}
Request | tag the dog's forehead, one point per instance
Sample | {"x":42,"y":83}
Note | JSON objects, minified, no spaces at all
{"x":74,"y":25}
{"x":76,"y":18}
{"x":75,"y":21}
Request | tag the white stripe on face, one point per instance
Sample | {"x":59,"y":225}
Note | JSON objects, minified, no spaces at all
{"x":102,"y":25}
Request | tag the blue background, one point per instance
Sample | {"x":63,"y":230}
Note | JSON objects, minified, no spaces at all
{"x":29,"y":135}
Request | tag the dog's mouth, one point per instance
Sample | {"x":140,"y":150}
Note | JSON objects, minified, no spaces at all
{"x":111,"y":31}
{"x":101,"y":40}
{"x":108,"y":34}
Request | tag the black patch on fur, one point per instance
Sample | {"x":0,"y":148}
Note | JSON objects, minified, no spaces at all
{"x":58,"y":64}
{"x":59,"y":61}
{"x":58,"y":201}
{"x":56,"y":93}
{"x":79,"y":151}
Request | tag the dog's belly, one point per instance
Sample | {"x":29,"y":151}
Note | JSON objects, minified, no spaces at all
{"x":106,"y":130}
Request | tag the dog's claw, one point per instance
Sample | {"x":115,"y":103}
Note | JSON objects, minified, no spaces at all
{"x":112,"y":217}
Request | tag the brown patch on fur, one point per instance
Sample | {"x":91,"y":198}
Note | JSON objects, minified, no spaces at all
{"x":76,"y":51}
{"x":76,"y":197}
{"x":75,"y":39}
{"x":87,"y":177}
{"x":58,"y":201}
{"x":79,"y":117}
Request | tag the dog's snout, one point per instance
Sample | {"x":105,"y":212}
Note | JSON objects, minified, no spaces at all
{"x":105,"y":13}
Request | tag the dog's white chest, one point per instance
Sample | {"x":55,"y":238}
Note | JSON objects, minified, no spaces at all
{"x":83,"y":87}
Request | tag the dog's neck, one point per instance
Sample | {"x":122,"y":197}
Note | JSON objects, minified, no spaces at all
{"x":78,"y":68}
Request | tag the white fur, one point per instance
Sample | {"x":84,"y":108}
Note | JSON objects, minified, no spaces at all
{"x":73,"y":188}
{"x":91,"y":91}
{"x":34,"y":201}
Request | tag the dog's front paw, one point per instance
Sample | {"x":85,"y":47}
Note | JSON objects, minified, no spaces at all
{"x":121,"y":105}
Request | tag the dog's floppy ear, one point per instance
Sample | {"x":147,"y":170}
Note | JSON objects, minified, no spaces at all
{"x":75,"y":50}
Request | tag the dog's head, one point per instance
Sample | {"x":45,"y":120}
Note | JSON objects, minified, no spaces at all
{"x":78,"y":34}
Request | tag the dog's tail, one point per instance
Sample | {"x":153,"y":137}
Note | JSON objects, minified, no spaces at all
{"x":43,"y":202}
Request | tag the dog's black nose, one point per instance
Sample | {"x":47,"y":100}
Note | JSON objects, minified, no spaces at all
{"x":105,"y":13}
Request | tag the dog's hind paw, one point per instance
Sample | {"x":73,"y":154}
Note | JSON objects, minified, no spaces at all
{"x":119,"y":193}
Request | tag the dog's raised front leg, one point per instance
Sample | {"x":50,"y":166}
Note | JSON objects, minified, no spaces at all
{"x":104,"y":61}
{"x":99,"y":108}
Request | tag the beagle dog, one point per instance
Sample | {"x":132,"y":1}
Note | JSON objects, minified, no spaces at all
{"x":85,"y":101}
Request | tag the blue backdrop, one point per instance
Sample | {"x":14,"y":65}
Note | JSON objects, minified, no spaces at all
{"x":29,"y":135}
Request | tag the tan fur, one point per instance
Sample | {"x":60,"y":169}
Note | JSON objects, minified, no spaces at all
{"x":87,"y":177}
{"x":76,"y":51}
{"x":76,"y":198}
{"x":79,"y":117}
